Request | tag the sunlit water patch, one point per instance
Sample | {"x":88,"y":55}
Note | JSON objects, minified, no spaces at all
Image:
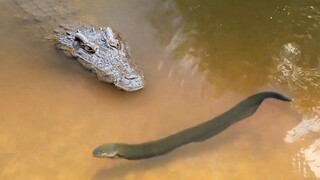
{"x":297,"y":72}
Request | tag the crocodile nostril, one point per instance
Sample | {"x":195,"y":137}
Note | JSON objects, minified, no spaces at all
{"x":131,"y":77}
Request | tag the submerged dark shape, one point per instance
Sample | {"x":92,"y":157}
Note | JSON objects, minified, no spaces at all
{"x":101,"y":50}
{"x":197,"y":133}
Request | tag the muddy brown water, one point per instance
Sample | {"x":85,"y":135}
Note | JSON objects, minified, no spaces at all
{"x":199,"y":58}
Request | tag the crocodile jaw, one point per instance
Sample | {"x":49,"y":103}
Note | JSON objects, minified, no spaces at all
{"x":106,"y":54}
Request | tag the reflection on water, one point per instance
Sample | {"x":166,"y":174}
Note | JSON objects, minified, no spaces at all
{"x":281,"y":42}
{"x":310,"y":157}
{"x":199,"y":58}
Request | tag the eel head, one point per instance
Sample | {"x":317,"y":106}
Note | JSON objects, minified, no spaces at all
{"x":106,"y":150}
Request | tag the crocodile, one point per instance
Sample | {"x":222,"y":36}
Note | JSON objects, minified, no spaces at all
{"x":101,"y":50}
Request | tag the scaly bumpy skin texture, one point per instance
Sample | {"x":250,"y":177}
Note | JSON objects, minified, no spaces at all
{"x":106,"y":54}
{"x":103,"y":51}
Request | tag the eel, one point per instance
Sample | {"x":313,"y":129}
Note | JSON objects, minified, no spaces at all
{"x":197,"y":133}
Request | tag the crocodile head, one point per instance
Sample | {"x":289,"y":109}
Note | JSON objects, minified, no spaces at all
{"x":106,"y":54}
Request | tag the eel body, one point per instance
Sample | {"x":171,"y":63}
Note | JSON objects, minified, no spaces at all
{"x":197,"y":133}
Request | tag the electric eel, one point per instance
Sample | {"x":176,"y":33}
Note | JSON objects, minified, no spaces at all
{"x":197,"y":133}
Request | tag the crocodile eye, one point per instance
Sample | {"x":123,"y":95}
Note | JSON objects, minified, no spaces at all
{"x":89,"y":49}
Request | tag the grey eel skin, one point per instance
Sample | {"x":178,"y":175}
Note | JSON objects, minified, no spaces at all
{"x":197,"y":133}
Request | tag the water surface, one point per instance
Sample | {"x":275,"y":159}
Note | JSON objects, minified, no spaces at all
{"x":199,"y":58}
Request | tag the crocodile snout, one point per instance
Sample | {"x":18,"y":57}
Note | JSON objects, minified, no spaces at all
{"x":131,"y":77}
{"x":130,"y":83}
